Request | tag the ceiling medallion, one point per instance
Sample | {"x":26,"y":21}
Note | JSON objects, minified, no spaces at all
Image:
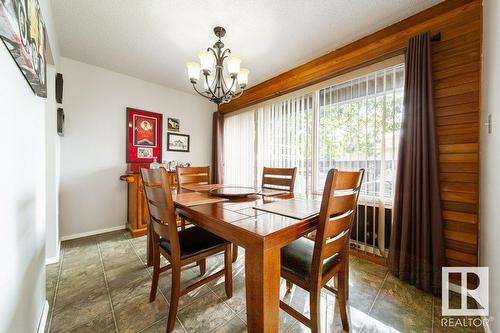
{"x":220,"y":84}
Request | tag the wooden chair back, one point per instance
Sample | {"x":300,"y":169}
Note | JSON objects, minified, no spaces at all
{"x":192,"y":175}
{"x":338,"y":208}
{"x":279,"y":178}
{"x":161,"y":207}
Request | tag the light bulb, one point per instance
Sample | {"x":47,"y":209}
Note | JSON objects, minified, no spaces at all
{"x":233,"y":65}
{"x":207,"y":60}
{"x":243,"y":77}
{"x":193,"y":71}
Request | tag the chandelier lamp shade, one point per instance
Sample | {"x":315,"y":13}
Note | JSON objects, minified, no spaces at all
{"x":223,"y":78}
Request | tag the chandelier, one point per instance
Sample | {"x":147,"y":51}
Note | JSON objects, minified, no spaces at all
{"x":220,"y":84}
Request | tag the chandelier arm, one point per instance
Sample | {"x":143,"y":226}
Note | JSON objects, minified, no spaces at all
{"x":225,"y":90}
{"x":201,"y":94}
{"x":228,"y":93}
{"x":220,"y":83}
{"x":211,"y":49}
{"x":235,"y":96}
{"x":217,"y":60}
{"x":232,"y":84}
{"x":208,"y":86}
{"x":223,"y":56}
{"x":216,"y":55}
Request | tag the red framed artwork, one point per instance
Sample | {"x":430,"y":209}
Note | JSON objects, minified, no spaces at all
{"x":144,"y":136}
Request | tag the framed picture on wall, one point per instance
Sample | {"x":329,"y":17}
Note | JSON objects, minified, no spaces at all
{"x":173,"y":125}
{"x":178,"y":142}
{"x":60,"y":121}
{"x":144,"y":136}
{"x":22,"y":30}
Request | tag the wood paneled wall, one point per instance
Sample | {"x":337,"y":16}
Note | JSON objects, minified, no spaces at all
{"x":456,"y":70}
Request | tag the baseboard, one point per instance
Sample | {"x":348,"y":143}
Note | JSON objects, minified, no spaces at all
{"x":92,"y":233}
{"x":54,"y":260}
{"x":43,"y":319}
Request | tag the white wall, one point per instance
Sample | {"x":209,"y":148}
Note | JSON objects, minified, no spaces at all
{"x":52,"y":149}
{"x":490,"y":157}
{"x":23,"y":192}
{"x":93,"y":147}
{"x":22,"y":251}
{"x":22,"y":201}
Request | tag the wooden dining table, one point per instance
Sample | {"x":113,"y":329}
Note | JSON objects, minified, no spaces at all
{"x":261,"y":233}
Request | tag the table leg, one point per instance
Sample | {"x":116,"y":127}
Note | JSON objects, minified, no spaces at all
{"x":262,"y":278}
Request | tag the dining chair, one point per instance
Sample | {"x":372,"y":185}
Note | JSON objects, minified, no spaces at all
{"x":198,"y":176}
{"x":180,"y":248}
{"x":279,"y":178}
{"x":311,"y":264}
{"x":192,"y":175}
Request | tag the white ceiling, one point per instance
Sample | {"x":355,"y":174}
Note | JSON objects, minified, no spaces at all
{"x":153,"y":39}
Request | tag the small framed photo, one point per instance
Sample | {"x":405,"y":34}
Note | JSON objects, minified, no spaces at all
{"x":60,"y":121}
{"x":178,"y":142}
{"x":143,"y":152}
{"x":173,"y":125}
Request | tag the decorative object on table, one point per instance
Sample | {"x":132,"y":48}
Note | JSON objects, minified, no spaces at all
{"x":171,"y":165}
{"x":23,"y":32}
{"x":177,"y":142}
{"x":216,"y":87}
{"x":60,"y":121}
{"x":59,"y":88}
{"x":232,"y":192}
{"x":154,"y":164}
{"x":144,"y":136}
{"x":173,"y":125}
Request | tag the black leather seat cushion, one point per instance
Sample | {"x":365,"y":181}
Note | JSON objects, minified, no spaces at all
{"x":296,"y":258}
{"x":193,"y":241}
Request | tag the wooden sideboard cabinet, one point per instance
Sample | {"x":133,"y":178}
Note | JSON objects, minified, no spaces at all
{"x":137,"y":209}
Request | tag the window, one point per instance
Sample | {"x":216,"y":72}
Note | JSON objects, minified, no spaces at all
{"x":359,"y":123}
{"x":346,"y":125}
{"x":284,"y":135}
{"x":239,"y":142}
{"x":349,"y":125}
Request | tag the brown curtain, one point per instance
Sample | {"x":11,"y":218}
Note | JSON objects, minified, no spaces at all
{"x":417,"y":243}
{"x":218,"y":148}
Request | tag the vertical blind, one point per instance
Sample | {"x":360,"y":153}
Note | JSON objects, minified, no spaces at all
{"x":351,"y":125}
{"x":239,"y":147}
{"x":284,"y":138}
{"x":359,"y":125}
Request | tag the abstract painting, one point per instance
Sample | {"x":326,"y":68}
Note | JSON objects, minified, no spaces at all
{"x":22,"y":30}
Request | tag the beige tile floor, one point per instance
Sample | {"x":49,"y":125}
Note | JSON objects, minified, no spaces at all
{"x":102,"y":285}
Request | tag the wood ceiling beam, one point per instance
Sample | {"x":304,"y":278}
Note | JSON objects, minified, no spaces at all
{"x":380,"y":45}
